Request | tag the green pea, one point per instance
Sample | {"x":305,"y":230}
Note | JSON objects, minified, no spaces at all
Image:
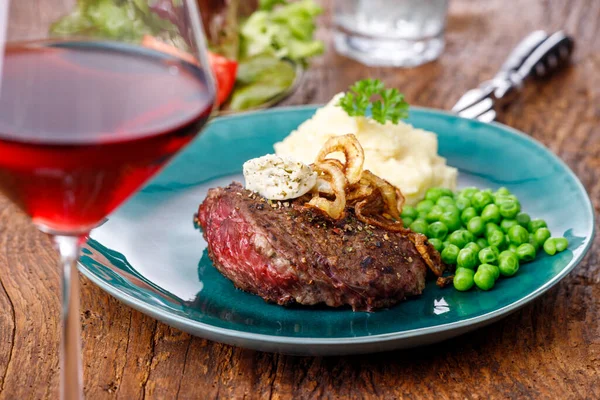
{"x":437,"y":230}
{"x":491,"y":268}
{"x":499,"y":197}
{"x":482,"y":243}
{"x":467,"y":258}
{"x":419,"y":226}
{"x":508,"y":263}
{"x":506,"y":253}
{"x":491,"y":227}
{"x":460,"y":238}
{"x":488,"y":190}
{"x":526,"y":252}
{"x":488,"y":256}
{"x":491,"y":213}
{"x":422,"y":215}
{"x":461,"y":270}
{"x":446,"y":192}
{"x":476,"y":226}
{"x":523,"y":219}
{"x":513,"y":248}
{"x":536,"y":224}
{"x":451,"y":220}
{"x":503,"y":191}
{"x":409,"y":212}
{"x":444,"y":201}
{"x":495,"y":249}
{"x":473,"y":246}
{"x":425,"y":205}
{"x":467,"y":214}
{"x":550,"y":246}
{"x":518,"y":235}
{"x":437,"y":244}
{"x":506,"y":224}
{"x":434,"y":214}
{"x":484,"y":279}
{"x":452,"y":208}
{"x":463,"y":279}
{"x":468,"y":192}
{"x":462,"y":203}
{"x":407,"y":221}
{"x":497,"y":239}
{"x":541,"y":235}
{"x":446,"y":244}
{"x":561,"y":244}
{"x":508,"y":208}
{"x":480,"y":200}
{"x":450,"y":254}
{"x":533,"y":242}
{"x":433,"y":194}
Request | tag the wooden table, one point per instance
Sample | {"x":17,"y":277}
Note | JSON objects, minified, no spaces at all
{"x":549,"y":349}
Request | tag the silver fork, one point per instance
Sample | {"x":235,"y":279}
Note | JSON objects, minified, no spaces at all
{"x":537,"y":56}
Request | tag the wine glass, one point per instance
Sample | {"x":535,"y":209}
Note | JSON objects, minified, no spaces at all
{"x":95,"y":97}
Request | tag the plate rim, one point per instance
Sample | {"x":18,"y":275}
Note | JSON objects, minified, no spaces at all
{"x":225,"y":333}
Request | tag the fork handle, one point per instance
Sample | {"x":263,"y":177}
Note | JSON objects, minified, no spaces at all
{"x":521,"y":52}
{"x":550,"y":56}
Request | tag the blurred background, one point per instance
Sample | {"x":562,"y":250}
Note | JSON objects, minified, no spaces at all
{"x":305,"y":51}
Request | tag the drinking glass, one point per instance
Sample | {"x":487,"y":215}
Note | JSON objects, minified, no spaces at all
{"x":401,"y":33}
{"x":91,"y":107}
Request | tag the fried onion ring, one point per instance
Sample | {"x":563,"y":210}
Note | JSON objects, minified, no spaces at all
{"x":428,"y":253}
{"x":323,"y":185}
{"x":353,"y":152}
{"x":401,"y":200}
{"x":359,"y":191}
{"x":389,"y":193}
{"x":376,"y":201}
{"x":334,"y":176}
{"x":364,"y":212}
{"x":334,"y":162}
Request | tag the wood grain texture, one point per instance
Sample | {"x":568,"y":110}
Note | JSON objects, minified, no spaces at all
{"x":550,"y":349}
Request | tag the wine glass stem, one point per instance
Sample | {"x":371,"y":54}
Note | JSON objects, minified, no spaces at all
{"x":71,"y":377}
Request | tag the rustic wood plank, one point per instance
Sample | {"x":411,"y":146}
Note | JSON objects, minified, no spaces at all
{"x":7,"y":317}
{"x":104,"y":371}
{"x":140,"y":344}
{"x":33,"y":294}
{"x":167,"y":364}
{"x":549,"y":349}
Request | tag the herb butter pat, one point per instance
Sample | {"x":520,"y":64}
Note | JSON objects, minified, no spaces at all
{"x":278,"y":178}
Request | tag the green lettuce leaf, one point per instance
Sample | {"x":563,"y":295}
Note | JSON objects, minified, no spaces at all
{"x":127,"y":20}
{"x":260,"y":79}
{"x":269,"y":4}
{"x":285,"y":31}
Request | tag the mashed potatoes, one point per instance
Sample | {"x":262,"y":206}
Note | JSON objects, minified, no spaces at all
{"x":405,"y":156}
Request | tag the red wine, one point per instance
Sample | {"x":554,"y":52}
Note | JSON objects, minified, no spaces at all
{"x":84,"y":124}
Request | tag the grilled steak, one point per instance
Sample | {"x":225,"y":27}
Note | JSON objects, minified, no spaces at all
{"x":286,"y":252}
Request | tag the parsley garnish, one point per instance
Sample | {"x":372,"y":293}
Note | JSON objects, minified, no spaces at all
{"x":388,"y":106}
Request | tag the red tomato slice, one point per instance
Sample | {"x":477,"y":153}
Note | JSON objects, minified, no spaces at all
{"x":225,"y":71}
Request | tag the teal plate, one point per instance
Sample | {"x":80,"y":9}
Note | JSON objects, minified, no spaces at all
{"x":150,"y":256}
